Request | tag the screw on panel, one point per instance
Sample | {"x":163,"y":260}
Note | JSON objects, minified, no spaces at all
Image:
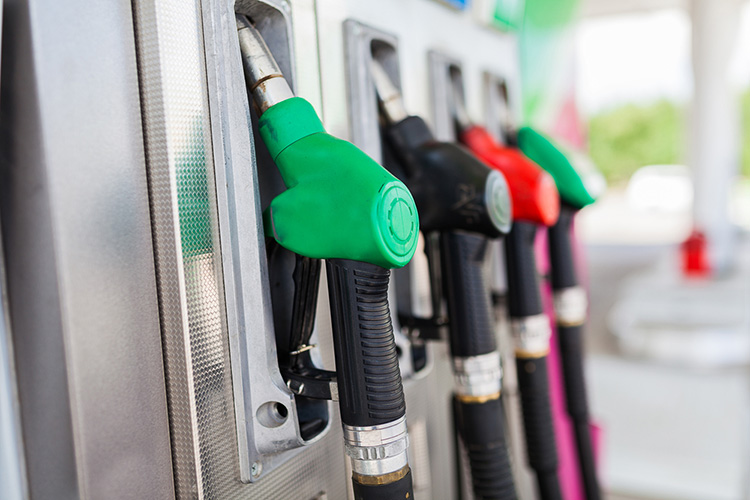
{"x":256,"y":469}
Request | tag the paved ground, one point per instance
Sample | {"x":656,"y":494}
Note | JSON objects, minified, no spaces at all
{"x":608,"y":267}
{"x":671,"y":432}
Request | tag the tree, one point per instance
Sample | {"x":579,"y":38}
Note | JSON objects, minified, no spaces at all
{"x":629,"y":137}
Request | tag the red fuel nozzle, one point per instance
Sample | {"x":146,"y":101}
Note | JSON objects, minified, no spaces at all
{"x":533,"y":191}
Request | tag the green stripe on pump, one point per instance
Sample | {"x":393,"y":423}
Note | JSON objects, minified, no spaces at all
{"x":540,"y":149}
{"x":339,"y":202}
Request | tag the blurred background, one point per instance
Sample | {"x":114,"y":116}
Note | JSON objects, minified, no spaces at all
{"x":656,"y":95}
{"x":651,"y":97}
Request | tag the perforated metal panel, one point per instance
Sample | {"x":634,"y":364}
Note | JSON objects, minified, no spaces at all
{"x":178,"y":155}
{"x":181,"y":164}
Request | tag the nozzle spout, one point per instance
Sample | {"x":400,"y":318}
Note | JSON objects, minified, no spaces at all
{"x":458,"y":106}
{"x":391,"y":101}
{"x":262,"y":74}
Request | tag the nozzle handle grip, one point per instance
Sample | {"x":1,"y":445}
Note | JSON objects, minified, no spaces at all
{"x":400,"y":489}
{"x":369,"y":380}
{"x":471,"y":326}
{"x":481,"y":427}
{"x":524,"y":295}
{"x":541,"y":448}
{"x":549,"y":486}
{"x":562,"y":272}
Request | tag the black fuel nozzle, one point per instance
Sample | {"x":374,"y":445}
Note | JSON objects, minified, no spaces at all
{"x":453,"y":189}
{"x":465,"y":203}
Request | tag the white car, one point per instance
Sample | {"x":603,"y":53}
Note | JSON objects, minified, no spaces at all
{"x":662,"y":188}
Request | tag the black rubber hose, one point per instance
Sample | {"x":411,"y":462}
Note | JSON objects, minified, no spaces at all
{"x":571,"y":352}
{"x":481,"y":427}
{"x":533,"y":386}
{"x":525,"y":300}
{"x":587,"y":460}
{"x":548,"y":485}
{"x":400,"y":489}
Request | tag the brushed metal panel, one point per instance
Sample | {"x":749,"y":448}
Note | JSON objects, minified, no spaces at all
{"x":79,"y":258}
{"x":13,"y":484}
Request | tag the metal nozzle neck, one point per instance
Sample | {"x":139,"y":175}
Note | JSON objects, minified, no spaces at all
{"x":458,"y":104}
{"x":391,"y":101}
{"x":264,"y":78}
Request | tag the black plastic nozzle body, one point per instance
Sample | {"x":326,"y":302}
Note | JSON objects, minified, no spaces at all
{"x":446,"y":180}
{"x":570,"y":340}
{"x":525,"y":300}
{"x":448,"y":184}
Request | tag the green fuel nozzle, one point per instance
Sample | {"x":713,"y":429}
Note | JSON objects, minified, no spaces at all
{"x":341,"y":206}
{"x":339,"y":202}
{"x":545,"y":153}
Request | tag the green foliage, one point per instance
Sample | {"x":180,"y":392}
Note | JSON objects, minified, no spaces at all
{"x":745,"y":134}
{"x":632,"y":136}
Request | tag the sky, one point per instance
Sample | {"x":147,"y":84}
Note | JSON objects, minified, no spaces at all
{"x":638,"y":58}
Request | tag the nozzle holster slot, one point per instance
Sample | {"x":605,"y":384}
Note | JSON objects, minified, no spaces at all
{"x":499,"y":117}
{"x":363,"y":45}
{"x":276,"y":412}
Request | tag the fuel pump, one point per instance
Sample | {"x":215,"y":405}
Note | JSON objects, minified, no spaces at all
{"x":569,"y":297}
{"x":461,"y":204}
{"x":343,"y":207}
{"x":535,"y":202}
